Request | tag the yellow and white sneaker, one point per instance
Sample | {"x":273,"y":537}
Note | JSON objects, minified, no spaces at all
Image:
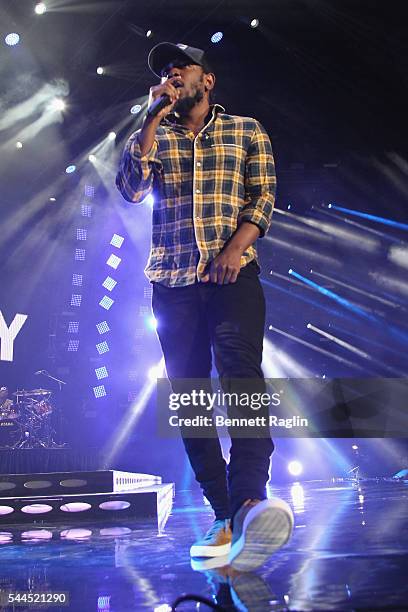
{"x":216,"y":542}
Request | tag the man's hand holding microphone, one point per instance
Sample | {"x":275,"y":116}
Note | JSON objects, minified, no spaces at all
{"x":162,"y":99}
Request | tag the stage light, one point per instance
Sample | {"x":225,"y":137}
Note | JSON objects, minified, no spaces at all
{"x":19,"y":145}
{"x":80,"y":254}
{"x":40,"y":8}
{"x":102,"y":347}
{"x":117,"y":241}
{"x":354,"y":447}
{"x":106,"y":302}
{"x":215,"y":38}
{"x":135,"y":109}
{"x":57,"y":105}
{"x":155,"y":372}
{"x":100,"y":70}
{"x":70,"y":169}
{"x":149,"y":34}
{"x":92,"y":158}
{"x":86,"y":210}
{"x":89,"y":191}
{"x":109,"y":283}
{"x":53,"y":199}
{"x":101,"y":373}
{"x":73,"y":327}
{"x":73,"y":346}
{"x":36,"y":535}
{"x":12,"y":39}
{"x":103,"y":603}
{"x":99,"y":391}
{"x":151,"y":322}
{"x":111,"y":135}
{"x":81,"y":233}
{"x":76,"y":299}
{"x":77,"y":280}
{"x":102,"y":327}
{"x":295,"y":468}
{"x":254,"y":23}
{"x":113,"y":261}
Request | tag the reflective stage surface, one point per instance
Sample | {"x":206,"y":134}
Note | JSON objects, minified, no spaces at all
{"x":349,"y":551}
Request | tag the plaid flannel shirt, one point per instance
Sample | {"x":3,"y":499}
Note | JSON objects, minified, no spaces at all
{"x":203,"y":188}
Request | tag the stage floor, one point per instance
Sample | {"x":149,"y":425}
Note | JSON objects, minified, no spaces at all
{"x":349,"y":551}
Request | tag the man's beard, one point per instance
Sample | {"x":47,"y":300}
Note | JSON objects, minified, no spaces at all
{"x":184,"y":105}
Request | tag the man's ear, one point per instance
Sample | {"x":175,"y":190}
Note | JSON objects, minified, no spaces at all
{"x":209,"y":81}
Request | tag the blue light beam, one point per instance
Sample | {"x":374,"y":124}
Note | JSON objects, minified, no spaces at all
{"x":357,"y":213}
{"x":333,"y":296}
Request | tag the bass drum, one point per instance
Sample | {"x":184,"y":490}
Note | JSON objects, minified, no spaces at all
{"x":10,"y":432}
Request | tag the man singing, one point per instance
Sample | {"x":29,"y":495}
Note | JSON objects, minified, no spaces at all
{"x":213,"y":180}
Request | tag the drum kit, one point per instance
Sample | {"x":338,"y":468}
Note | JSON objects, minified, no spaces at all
{"x":26,"y":422}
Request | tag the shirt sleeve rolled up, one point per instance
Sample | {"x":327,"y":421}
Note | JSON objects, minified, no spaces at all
{"x":136,"y":171}
{"x":260,"y":181}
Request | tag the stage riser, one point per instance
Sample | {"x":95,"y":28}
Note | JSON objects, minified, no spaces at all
{"x":149,"y":503}
{"x":36,"y":460}
{"x":49,"y":483}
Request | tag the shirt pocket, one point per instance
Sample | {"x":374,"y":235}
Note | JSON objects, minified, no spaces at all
{"x":230,"y":157}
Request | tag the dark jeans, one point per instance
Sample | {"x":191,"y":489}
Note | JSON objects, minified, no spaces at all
{"x":231,"y":319}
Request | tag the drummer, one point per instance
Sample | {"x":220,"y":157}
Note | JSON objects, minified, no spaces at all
{"x":6,"y":405}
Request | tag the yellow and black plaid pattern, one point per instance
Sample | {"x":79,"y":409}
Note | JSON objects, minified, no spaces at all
{"x":203,"y":188}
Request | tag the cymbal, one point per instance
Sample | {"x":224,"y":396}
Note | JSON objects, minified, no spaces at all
{"x":24,"y":393}
{"x":40,"y":392}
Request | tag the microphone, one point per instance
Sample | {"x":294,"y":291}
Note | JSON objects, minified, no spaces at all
{"x":158,"y":105}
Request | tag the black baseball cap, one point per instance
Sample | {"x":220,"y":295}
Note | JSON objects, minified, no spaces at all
{"x":163,"y":53}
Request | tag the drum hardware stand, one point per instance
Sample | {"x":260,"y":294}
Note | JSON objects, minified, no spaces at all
{"x":48,"y":430}
{"x":48,"y":375}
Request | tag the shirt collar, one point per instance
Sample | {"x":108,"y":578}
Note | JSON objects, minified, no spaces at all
{"x":172,"y":119}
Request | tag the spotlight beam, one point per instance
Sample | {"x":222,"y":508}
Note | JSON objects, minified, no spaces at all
{"x":365,"y":228}
{"x":124,"y":429}
{"x":352,"y":288}
{"x":383,"y":220}
{"x":402,"y":355}
{"x":337,"y":340}
{"x":319,"y":350}
{"x":307,"y":300}
{"x":312,"y":254}
{"x":334,"y":296}
{"x":354,"y":349}
{"x":356,"y":238}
